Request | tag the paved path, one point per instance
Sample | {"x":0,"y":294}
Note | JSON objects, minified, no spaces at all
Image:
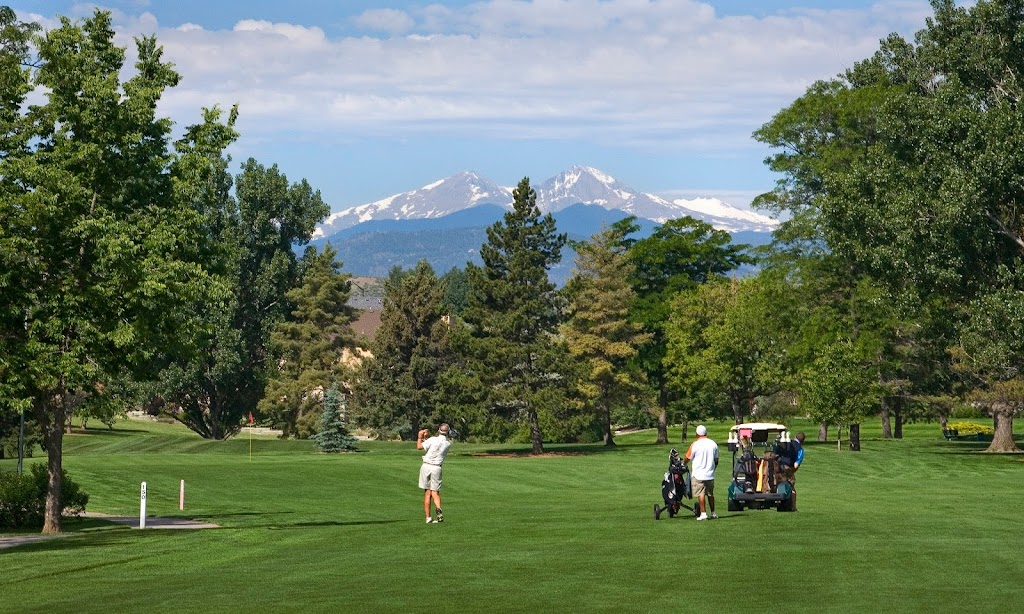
{"x":17,"y":540}
{"x":153,"y":522}
{"x":130,"y":521}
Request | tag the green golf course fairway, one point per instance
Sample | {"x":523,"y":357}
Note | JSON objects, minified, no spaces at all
{"x":917,"y":525}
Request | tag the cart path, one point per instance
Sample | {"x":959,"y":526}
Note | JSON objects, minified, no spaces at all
{"x":154,"y":522}
{"x":18,"y":540}
{"x":130,"y":521}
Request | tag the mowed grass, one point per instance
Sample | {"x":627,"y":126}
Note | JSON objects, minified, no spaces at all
{"x":918,"y":525}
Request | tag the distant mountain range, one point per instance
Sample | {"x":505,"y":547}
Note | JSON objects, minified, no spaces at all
{"x":445,"y":222}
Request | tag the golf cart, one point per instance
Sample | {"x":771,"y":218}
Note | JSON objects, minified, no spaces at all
{"x":760,"y":476}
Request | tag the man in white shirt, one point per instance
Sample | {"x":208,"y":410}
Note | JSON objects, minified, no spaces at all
{"x":436,"y":449}
{"x":704,"y":454}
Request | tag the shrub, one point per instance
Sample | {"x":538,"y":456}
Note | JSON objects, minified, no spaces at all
{"x":970,"y":428}
{"x":966,"y":411}
{"x":23,"y":497}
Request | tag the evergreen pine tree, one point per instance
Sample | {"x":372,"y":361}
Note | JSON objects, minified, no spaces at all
{"x":308,"y":344}
{"x":397,"y":390}
{"x":333,"y":436}
{"x":513,"y":316}
{"x":599,"y":331}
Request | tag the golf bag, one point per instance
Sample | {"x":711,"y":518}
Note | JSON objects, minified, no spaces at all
{"x":675,"y":487}
{"x":747,"y":466}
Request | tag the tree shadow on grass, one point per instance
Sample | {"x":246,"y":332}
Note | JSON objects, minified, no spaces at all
{"x":973,"y":447}
{"x":114,"y":535}
{"x":312,"y":524}
{"x":111,"y":535}
{"x":105,"y":432}
{"x":230,"y":515}
{"x":551,"y":451}
{"x":978,"y":451}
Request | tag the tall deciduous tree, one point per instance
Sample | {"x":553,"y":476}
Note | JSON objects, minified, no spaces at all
{"x":678,"y":255}
{"x":307,"y":345}
{"x":397,"y":390}
{"x":723,"y":344}
{"x":513,"y":314}
{"x":599,"y":331}
{"x":96,"y":250}
{"x":256,"y":261}
{"x":910,"y":163}
{"x":991,"y":353}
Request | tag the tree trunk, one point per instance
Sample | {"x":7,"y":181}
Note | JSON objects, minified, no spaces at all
{"x":823,"y":431}
{"x":1002,"y":440}
{"x":855,"y":437}
{"x":535,"y":439}
{"x":663,"y":415}
{"x":298,"y":418}
{"x":51,"y":418}
{"x":686,"y":427}
{"x":737,"y":411}
{"x":897,"y":411}
{"x":608,"y":440}
{"x":886,"y":422}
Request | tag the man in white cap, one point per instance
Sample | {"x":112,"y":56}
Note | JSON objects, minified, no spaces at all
{"x":704,"y":454}
{"x":436,"y":449}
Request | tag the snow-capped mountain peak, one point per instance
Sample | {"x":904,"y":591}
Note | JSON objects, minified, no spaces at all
{"x":724,"y":216}
{"x":584,"y":184}
{"x":579,"y":184}
{"x":437,"y":199}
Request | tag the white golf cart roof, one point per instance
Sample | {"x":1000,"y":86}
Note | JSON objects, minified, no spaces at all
{"x":760,"y":426}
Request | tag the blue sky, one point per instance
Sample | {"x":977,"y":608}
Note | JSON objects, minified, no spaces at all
{"x":366,"y":99}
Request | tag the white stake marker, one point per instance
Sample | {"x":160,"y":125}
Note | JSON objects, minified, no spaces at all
{"x":142,"y":508}
{"x":181,"y":496}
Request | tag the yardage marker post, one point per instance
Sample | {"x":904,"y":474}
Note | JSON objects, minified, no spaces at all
{"x":142,"y":508}
{"x":181,"y":496}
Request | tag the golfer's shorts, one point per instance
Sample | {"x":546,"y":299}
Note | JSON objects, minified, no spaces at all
{"x":430,"y":477}
{"x":703,"y":488}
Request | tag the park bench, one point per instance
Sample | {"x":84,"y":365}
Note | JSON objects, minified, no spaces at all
{"x":950,"y":434}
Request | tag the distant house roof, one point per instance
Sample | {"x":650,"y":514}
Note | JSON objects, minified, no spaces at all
{"x":365,"y":302}
{"x":366,"y":325}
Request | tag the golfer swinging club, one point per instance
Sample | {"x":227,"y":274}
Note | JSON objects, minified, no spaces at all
{"x":436,"y":449}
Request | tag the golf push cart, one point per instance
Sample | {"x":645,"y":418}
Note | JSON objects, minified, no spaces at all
{"x":675,"y":487}
{"x":761,"y":482}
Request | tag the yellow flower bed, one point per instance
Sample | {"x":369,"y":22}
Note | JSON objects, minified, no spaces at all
{"x":970,"y":428}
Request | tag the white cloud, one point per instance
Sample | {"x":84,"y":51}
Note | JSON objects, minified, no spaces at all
{"x":385,"y":20}
{"x":652,"y":73}
{"x":294,"y":35}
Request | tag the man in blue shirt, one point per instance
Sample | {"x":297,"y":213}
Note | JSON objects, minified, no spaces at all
{"x":798,"y":459}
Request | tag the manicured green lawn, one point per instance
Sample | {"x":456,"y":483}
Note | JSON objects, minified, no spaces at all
{"x":919,"y":525}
